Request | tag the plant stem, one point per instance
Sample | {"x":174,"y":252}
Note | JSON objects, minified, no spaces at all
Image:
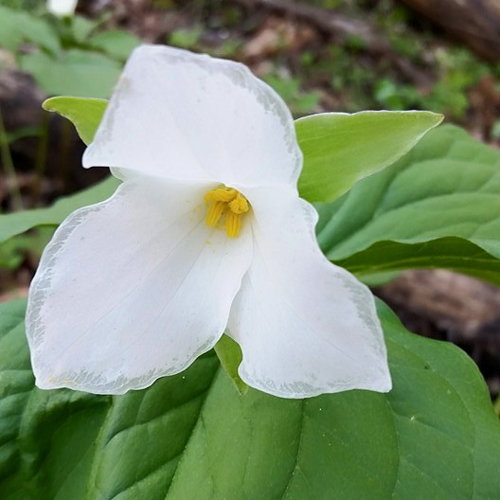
{"x":496,"y":406}
{"x":41,"y":159}
{"x":8,"y":163}
{"x":64,"y":152}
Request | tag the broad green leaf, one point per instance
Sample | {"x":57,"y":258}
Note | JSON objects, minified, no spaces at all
{"x":340,"y":149}
{"x":82,"y":27}
{"x":74,"y":72}
{"x":17,"y":27}
{"x":455,"y":254}
{"x":84,"y":113}
{"x":19,"y":222}
{"x":115,"y":43}
{"x":10,"y":36}
{"x":192,"y":436}
{"x":439,"y":206}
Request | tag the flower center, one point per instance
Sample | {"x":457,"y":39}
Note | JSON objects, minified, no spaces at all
{"x":229,"y":202}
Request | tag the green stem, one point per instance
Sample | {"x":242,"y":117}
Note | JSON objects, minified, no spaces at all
{"x":65,"y":152}
{"x":496,"y":406}
{"x":8,"y":163}
{"x":41,"y":159}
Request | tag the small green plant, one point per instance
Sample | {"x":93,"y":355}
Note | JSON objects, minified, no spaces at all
{"x":71,"y":55}
{"x":186,"y":38}
{"x":300,"y":102}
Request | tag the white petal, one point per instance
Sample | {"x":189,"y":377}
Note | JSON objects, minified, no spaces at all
{"x":305,"y":326}
{"x":62,"y":7}
{"x":179,"y":115}
{"x":132,"y":289}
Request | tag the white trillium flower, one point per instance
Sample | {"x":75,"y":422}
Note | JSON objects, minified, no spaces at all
{"x":206,"y":234}
{"x":62,"y":7}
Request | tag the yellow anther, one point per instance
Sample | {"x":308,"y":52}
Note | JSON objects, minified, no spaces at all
{"x":221,"y":194}
{"x":215,"y":213}
{"x":239,"y":205}
{"x":227,"y":201}
{"x":233,"y":224}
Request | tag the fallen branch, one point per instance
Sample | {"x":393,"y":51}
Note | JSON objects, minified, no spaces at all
{"x":465,"y":309}
{"x":474,"y":22}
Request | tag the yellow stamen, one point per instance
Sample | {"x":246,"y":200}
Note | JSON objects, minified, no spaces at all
{"x":227,"y":201}
{"x":221,"y":194}
{"x":233,"y":224}
{"x":215,"y":213}
{"x":239,"y":205}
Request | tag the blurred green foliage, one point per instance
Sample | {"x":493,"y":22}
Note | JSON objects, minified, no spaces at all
{"x":299,"y":101}
{"x":70,"y":56}
{"x":23,"y":4}
{"x":28,"y":245}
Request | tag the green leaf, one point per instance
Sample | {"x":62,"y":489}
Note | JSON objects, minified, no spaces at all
{"x":115,"y":43}
{"x":74,"y":72}
{"x":82,"y":27}
{"x":17,"y":27}
{"x":340,"y":149}
{"x":15,"y":250}
{"x":85,"y":114}
{"x":10,"y":36}
{"x":439,"y":206}
{"x":434,"y":436}
{"x":230,"y":357}
{"x":19,"y":222}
